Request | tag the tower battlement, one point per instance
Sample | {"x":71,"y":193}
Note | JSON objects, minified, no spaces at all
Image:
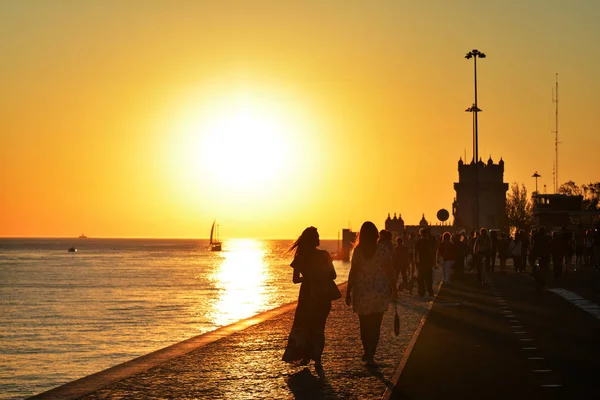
{"x":488,"y":172}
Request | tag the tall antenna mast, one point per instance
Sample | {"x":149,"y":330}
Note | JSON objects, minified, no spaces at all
{"x":554,"y":176}
{"x":555,"y":101}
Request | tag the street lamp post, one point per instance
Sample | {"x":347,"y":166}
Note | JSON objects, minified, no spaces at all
{"x":474,"y":109}
{"x":474,"y":54}
{"x":536,"y":176}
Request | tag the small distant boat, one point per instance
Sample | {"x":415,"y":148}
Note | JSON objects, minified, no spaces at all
{"x":82,"y":236}
{"x":72,"y":250}
{"x":215,"y":244}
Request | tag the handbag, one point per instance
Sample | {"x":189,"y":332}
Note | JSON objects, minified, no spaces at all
{"x":331,"y":289}
{"x":396,"y":321}
{"x":333,"y":292}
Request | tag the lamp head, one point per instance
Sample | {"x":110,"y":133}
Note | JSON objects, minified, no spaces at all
{"x":475,"y":53}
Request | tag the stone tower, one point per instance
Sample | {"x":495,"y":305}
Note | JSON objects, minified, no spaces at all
{"x":492,"y":196}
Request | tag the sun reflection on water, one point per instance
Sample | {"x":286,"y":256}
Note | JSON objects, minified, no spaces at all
{"x":240,"y":280}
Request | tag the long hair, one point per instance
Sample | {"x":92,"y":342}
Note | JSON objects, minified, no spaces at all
{"x":368,"y":235}
{"x":309,"y":239}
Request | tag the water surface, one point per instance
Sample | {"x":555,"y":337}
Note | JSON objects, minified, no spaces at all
{"x":67,"y":315}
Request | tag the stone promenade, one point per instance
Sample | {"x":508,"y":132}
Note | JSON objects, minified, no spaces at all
{"x":505,"y":340}
{"x":247,"y":364}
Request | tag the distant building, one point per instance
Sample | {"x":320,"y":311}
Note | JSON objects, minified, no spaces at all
{"x":492,"y":196}
{"x":558,"y":210}
{"x":397,"y":227}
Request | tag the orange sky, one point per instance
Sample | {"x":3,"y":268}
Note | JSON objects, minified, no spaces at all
{"x":152,"y":118}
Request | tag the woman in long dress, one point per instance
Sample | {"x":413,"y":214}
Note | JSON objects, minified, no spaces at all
{"x":314,"y":269}
{"x":371,"y":287}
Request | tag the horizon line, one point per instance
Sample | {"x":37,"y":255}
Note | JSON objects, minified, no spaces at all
{"x":140,"y":238}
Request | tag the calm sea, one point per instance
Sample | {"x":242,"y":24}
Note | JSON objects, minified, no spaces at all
{"x":67,"y":315}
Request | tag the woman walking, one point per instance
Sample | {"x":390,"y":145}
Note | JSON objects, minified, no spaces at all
{"x":483,"y":249}
{"x":446,"y":252}
{"x":515,"y":248}
{"x":314,"y":269}
{"x":371,"y":286}
{"x":503,"y":251}
{"x":460,"y":247}
{"x":401,"y":263}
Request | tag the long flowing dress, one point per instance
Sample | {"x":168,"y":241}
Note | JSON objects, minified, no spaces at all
{"x":307,"y":337}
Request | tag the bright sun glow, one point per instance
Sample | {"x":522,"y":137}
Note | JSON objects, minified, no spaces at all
{"x":240,"y":146}
{"x":240,"y":154}
{"x":245,"y":147}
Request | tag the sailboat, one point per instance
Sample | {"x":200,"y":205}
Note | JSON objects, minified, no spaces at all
{"x":215,"y":245}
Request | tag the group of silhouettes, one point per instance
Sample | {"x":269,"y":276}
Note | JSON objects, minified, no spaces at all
{"x":543,"y":250}
{"x":372,"y":286}
{"x":377,"y":263}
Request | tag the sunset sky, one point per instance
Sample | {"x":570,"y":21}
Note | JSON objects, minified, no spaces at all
{"x":152,"y":118}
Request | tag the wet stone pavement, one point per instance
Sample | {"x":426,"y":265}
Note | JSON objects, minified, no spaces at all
{"x":247,"y":364}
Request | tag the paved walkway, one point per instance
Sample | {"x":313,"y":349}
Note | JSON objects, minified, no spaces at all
{"x":504,"y":340}
{"x":246,"y":364}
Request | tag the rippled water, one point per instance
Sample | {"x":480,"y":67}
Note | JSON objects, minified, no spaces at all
{"x":67,"y":315}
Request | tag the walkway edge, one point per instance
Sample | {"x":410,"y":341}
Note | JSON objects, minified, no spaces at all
{"x":387,"y":395}
{"x":98,"y":380}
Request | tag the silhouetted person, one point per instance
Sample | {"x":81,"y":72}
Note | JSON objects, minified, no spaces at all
{"x":460,"y":247}
{"x":475,"y":259}
{"x":483,"y":249}
{"x":425,"y":260}
{"x":596,"y":247}
{"x":447,"y":253}
{"x":385,"y":238}
{"x":515,"y":249}
{"x":525,"y":247}
{"x":588,"y":243}
{"x":371,"y":287}
{"x":494,"y":237}
{"x":410,"y":246}
{"x":503,"y":245}
{"x":314,"y":269}
{"x":579,"y":239}
{"x":401,"y":263}
{"x":532,"y":258}
{"x":567,"y":237}
{"x":557,"y":248}
{"x":541,"y":251}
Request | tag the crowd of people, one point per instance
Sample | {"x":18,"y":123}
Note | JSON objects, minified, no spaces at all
{"x":560,"y":250}
{"x":378,"y":263}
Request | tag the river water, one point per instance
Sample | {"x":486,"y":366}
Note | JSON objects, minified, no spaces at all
{"x":65,"y":315}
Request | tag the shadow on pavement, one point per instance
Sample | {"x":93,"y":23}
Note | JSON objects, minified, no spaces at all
{"x":305,"y":385}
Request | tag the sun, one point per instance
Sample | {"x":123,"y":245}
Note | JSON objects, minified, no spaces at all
{"x":244,"y":145}
{"x":243,"y":152}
